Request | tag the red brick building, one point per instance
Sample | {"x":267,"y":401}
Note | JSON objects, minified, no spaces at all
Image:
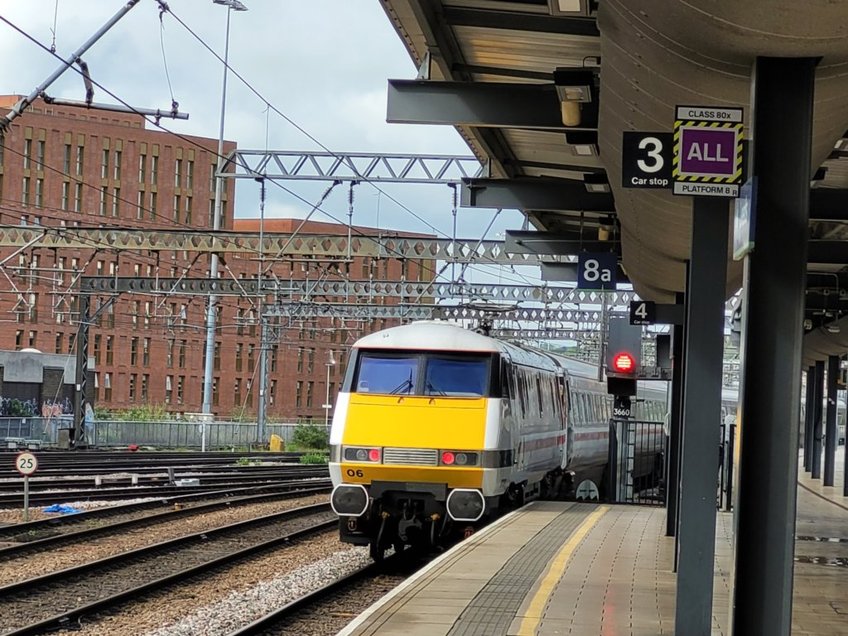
{"x":72,"y":167}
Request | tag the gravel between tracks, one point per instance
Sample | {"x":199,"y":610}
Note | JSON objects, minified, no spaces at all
{"x":12,"y":516}
{"x":107,"y":545}
{"x":223,"y":601}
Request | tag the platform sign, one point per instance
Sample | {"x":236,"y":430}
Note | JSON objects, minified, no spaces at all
{"x":743,"y":220}
{"x":597,"y":270}
{"x":646,"y":159}
{"x":643,"y":312}
{"x":708,"y":151}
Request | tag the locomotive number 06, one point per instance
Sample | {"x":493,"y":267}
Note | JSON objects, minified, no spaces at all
{"x":354,"y":473}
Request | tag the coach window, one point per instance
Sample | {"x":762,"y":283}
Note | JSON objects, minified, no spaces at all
{"x":387,"y":375}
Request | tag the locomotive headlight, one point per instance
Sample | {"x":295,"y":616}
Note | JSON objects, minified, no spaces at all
{"x":458,"y":458}
{"x":360,"y":454}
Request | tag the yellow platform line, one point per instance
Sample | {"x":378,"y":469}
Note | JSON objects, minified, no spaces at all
{"x":533,"y":615}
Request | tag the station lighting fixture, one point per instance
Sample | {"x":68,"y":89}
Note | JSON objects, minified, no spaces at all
{"x":596,"y":182}
{"x":584,"y":143}
{"x":573,"y":8}
{"x":573,"y":87}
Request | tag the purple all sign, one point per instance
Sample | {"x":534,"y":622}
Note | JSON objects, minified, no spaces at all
{"x":708,"y":152}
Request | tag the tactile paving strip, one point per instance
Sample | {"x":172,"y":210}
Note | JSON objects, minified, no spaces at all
{"x":491,"y":612}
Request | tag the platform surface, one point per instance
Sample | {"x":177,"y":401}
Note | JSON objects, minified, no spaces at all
{"x":582,"y":569}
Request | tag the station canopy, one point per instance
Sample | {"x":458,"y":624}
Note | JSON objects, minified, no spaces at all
{"x":544,"y":89}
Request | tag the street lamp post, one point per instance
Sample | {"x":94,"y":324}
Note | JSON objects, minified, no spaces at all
{"x":327,"y":405}
{"x":208,"y":370}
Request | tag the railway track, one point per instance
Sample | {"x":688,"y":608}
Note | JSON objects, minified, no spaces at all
{"x":42,"y":526}
{"x":329,"y":608}
{"x":106,"y":493}
{"x":32,"y":543}
{"x":60,"y":599}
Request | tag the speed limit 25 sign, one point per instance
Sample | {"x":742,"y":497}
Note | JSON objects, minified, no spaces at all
{"x":646,"y":160}
{"x":26,"y":464}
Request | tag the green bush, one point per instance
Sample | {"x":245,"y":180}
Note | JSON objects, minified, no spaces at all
{"x":313,"y":458}
{"x":310,"y":436}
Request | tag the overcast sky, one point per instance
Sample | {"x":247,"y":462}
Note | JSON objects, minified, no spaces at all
{"x":324,"y":63}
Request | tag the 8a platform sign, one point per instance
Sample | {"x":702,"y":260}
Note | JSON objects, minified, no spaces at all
{"x":597,"y":270}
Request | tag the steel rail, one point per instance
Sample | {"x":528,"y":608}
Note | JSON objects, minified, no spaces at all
{"x":46,"y":584}
{"x":148,"y":520}
{"x":111,"y":511}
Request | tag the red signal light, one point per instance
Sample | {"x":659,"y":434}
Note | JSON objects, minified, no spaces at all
{"x":374,"y":455}
{"x":448,"y":458}
{"x":623,"y":363}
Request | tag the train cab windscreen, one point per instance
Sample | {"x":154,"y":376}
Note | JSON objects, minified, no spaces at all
{"x":423,"y":374}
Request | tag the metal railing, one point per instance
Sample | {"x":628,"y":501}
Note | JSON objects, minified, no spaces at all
{"x":636,"y":462}
{"x":165,"y":434}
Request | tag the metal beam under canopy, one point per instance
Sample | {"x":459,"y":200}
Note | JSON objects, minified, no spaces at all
{"x":533,"y":193}
{"x":532,"y":242}
{"x":489,"y":104}
{"x":520,"y":21}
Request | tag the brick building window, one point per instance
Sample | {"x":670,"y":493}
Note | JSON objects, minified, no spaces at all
{"x":239,"y":353}
{"x":109,"y":349}
{"x":249,"y":402}
{"x":139,"y":205}
{"x":98,"y":341}
{"x":216,"y":360}
{"x":309,"y":394}
{"x":169,"y":356}
{"x":107,"y":387}
{"x":300,"y":360}
{"x":19,"y":339}
{"x":182,"y":356}
{"x":178,"y":172}
{"x":66,"y":195}
{"x":154,"y":169}
{"x":66,"y":164}
{"x":60,"y":341}
{"x":133,"y":351}
{"x":27,"y":153}
{"x":40,"y":150}
{"x":116,"y":202}
{"x":117,"y":166}
{"x":80,"y":163}
{"x":169,"y":392}
{"x":251,"y":356}
{"x":273,"y":363}
{"x":145,"y":383}
{"x":153,"y":202}
{"x":104,"y":198}
{"x":142,"y":168}
{"x":215,"y":383}
{"x":39,"y":193}
{"x":189,"y":182}
{"x":298,"y":393}
{"x":104,"y":164}
{"x":133,"y":382}
{"x":188,"y":210}
{"x":77,"y":197}
{"x":180,"y":389}
{"x":310,"y":361}
{"x":237,"y":393}
{"x":25,"y":191}
{"x":176,"y":215}
{"x":272,"y":392}
{"x":145,"y":352}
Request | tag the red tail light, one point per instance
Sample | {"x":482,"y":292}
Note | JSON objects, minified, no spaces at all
{"x":448,"y":458}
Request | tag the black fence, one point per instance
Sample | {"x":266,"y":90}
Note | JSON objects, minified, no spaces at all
{"x":637,"y":462}
{"x":726,"y":458}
